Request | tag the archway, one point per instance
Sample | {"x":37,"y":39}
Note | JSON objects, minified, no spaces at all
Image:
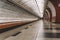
{"x":53,"y":11}
{"x":50,"y":9}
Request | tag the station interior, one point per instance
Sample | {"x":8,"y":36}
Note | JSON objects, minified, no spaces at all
{"x":29,"y":19}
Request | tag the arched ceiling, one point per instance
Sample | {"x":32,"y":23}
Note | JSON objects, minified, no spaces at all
{"x":10,"y":13}
{"x":34,"y":6}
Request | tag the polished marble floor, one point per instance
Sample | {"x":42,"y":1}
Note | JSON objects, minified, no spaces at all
{"x":39,"y":30}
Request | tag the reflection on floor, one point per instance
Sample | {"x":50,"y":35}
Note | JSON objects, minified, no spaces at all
{"x":52,"y":30}
{"x":39,"y":30}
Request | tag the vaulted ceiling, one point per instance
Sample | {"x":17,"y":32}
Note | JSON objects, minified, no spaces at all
{"x":36,"y":7}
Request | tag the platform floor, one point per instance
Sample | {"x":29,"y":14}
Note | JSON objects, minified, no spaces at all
{"x":40,"y":30}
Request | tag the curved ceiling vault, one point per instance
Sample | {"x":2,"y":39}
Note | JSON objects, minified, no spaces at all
{"x":9,"y":13}
{"x":34,"y":6}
